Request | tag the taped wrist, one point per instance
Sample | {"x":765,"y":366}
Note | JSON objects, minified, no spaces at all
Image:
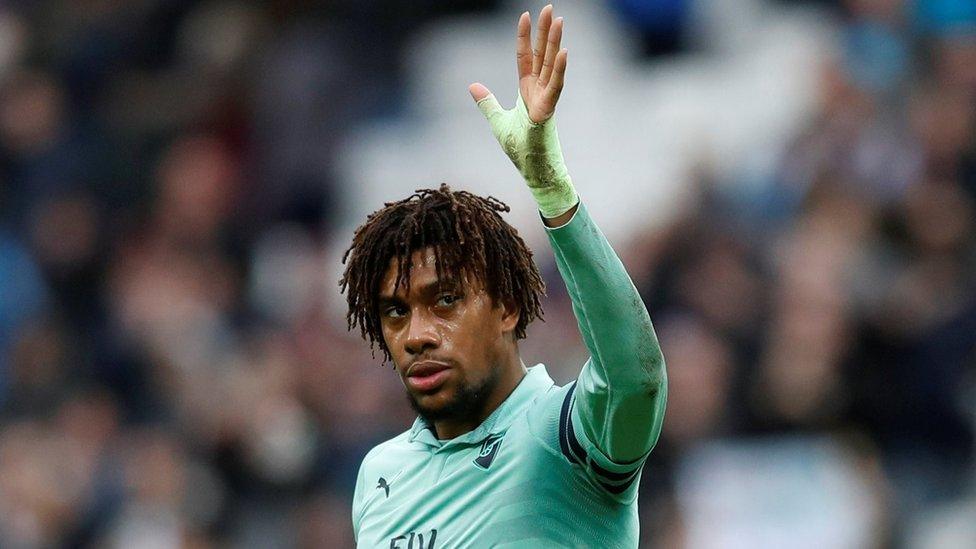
{"x":535,"y":151}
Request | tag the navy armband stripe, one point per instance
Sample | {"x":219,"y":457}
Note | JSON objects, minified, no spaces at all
{"x":574,"y":444}
{"x":620,"y":487}
{"x":612,"y":482}
{"x":563,"y":430}
{"x":616,"y":477}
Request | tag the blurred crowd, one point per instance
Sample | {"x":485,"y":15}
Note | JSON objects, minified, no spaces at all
{"x":173,"y":372}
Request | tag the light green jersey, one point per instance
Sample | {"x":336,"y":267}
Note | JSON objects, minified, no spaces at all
{"x":552,"y":466}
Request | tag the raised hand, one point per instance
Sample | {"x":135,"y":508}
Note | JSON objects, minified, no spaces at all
{"x":542,"y":71}
{"x":527,"y":133}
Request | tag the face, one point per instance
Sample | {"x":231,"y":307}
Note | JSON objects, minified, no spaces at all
{"x":448,"y":340}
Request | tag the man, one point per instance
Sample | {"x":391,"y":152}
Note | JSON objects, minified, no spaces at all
{"x":499,"y":454}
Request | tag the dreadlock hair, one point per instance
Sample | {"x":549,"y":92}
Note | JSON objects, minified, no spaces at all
{"x":468,"y":237}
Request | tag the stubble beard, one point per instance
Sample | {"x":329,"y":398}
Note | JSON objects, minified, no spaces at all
{"x":467,"y":403}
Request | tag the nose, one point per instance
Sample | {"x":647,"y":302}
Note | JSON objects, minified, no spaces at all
{"x":422,"y":335}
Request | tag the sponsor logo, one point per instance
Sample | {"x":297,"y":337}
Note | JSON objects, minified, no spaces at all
{"x":415,"y":540}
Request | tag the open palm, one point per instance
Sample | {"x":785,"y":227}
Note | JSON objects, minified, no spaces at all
{"x":541,"y":71}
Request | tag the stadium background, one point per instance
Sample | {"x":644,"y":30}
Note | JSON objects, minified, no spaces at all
{"x":790,"y":183}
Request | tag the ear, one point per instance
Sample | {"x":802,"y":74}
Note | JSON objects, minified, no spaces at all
{"x":510,"y":316}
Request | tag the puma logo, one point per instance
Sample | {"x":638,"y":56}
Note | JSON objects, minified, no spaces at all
{"x":383,"y":484}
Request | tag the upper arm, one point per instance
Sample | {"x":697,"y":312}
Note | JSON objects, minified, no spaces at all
{"x":622,"y":423}
{"x":557,"y":425}
{"x":616,"y":477}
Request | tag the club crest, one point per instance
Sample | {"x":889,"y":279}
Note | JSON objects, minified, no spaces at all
{"x":489,"y":449}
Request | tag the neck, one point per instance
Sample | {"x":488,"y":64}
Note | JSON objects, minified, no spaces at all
{"x":510,"y":371}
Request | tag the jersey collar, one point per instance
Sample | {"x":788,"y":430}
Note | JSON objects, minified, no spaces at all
{"x":535,"y":382}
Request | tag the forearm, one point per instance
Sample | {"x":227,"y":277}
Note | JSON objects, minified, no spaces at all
{"x":621,"y":393}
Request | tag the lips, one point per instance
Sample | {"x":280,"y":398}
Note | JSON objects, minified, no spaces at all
{"x":427,"y":375}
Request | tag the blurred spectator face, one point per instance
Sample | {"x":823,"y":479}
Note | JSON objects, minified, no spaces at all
{"x":31,"y":112}
{"x":800,"y":374}
{"x":449,"y":323}
{"x":154,"y":470}
{"x":198,"y":180}
{"x":89,"y":421}
{"x":31,"y":502}
{"x":939,"y":216}
{"x":888,"y":11}
{"x":931,"y":287}
{"x":847,"y":106}
{"x":699,"y":370}
{"x":219,"y":34}
{"x":161,"y":295}
{"x":723,"y":288}
{"x":956,"y":62}
{"x":943,"y":119}
{"x":326,"y":354}
{"x":47,"y":471}
{"x":13,"y":40}
{"x":65,"y":231}
{"x":38,"y":363}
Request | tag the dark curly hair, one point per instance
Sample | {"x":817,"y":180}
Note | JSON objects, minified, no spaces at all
{"x":468,"y":237}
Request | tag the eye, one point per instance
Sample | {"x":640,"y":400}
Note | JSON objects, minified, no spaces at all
{"x":395,"y":311}
{"x":446,"y":300}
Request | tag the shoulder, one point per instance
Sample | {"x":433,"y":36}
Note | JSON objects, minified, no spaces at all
{"x":379,"y":458}
{"x":546,"y":415}
{"x":389,"y":449}
{"x":552,"y":399}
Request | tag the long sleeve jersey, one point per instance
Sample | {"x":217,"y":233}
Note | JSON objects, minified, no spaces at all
{"x":551,"y":466}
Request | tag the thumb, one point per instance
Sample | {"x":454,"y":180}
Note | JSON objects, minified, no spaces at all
{"x":486,"y":100}
{"x":478,"y":91}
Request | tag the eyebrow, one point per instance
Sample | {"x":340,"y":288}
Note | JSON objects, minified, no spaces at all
{"x":426,"y":289}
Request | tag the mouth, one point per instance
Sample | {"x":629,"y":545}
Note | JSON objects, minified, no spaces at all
{"x":426,"y":376}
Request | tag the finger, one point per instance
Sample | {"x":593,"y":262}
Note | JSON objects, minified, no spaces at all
{"x":552,"y":48}
{"x":523,"y":46}
{"x":555,"y":86}
{"x":542,"y":34}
